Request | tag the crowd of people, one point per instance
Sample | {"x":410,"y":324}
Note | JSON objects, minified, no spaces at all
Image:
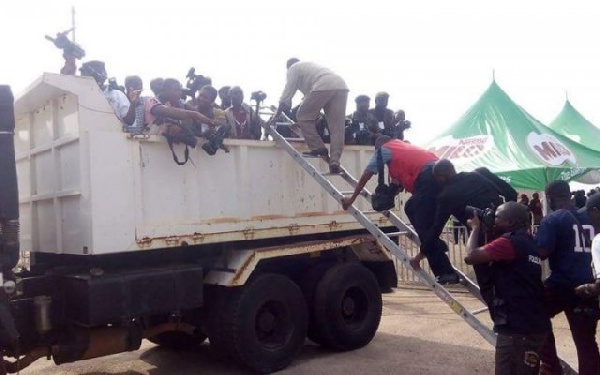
{"x":321,"y":116}
{"x":505,"y":255}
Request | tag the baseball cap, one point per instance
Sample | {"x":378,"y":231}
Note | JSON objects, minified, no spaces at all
{"x":592,"y":202}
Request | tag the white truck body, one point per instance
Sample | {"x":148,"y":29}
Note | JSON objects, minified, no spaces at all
{"x":88,"y":188}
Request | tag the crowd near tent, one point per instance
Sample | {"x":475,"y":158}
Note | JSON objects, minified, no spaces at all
{"x":497,"y":133}
{"x":573,"y":125}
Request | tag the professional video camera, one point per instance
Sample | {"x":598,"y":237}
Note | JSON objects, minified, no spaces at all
{"x":69,"y":48}
{"x":194,"y":83}
{"x":258,"y":96}
{"x":487,"y":216}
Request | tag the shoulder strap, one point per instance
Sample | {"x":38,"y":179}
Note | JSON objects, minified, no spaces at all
{"x":380,"y":170}
{"x":186,"y":153}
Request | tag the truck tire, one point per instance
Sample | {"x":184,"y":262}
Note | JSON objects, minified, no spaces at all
{"x":176,"y":340}
{"x":308,"y":284}
{"x":347,"y":307}
{"x":265,"y":323}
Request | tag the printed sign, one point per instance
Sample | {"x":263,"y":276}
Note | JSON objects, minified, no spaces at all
{"x":462,"y":148}
{"x":549,"y":149}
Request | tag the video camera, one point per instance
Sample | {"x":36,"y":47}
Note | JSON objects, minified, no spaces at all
{"x":194,"y":83}
{"x":69,"y":48}
{"x":487,"y":216}
{"x":258,"y":96}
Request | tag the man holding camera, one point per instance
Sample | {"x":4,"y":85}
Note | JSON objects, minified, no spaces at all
{"x":515,"y":280}
{"x":411,"y":167}
{"x":563,"y":238}
{"x":322,"y":89}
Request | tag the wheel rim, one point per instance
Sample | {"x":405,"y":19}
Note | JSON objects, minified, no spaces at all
{"x":354,"y":307}
{"x":273,"y":324}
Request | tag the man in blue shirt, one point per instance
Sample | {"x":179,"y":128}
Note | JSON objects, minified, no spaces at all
{"x":563,"y":238}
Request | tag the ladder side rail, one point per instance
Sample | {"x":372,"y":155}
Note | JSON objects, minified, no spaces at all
{"x":385,"y":241}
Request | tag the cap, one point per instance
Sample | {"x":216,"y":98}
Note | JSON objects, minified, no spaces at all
{"x":558,"y":189}
{"x":382,"y":94}
{"x":592,"y":202}
{"x":362,"y":98}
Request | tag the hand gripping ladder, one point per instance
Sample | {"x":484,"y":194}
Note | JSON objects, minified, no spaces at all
{"x":385,"y":240}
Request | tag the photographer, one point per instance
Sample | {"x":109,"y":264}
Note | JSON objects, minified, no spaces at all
{"x":563,"y":238}
{"x":363,"y":129}
{"x":134,"y":120}
{"x":410,"y":166}
{"x":515,"y":279}
{"x":116,"y":98}
{"x":402,"y":124}
{"x":383,"y":115}
{"x":459,"y":190}
{"x":167,"y":108}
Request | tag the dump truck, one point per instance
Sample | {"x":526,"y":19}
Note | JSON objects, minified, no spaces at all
{"x":242,"y":249}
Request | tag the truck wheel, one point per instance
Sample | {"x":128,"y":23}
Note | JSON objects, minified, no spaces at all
{"x":308,"y":285}
{"x":347,"y":307}
{"x":178,"y":340}
{"x":265,"y":323}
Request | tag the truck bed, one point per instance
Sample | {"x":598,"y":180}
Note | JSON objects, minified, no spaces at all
{"x":87,"y":188}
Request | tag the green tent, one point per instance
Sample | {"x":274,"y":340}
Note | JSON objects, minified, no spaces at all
{"x":498,"y":134}
{"x":573,"y":125}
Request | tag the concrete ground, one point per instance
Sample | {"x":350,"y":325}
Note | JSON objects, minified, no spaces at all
{"x":418,"y":334}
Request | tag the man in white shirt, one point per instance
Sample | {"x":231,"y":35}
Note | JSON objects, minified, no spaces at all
{"x":592,"y":207}
{"x":322,"y":89}
{"x":116,"y":98}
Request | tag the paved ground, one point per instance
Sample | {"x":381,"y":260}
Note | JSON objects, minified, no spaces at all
{"x":418,"y":335}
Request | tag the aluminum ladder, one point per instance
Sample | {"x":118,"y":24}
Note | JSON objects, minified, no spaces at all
{"x":385,"y":238}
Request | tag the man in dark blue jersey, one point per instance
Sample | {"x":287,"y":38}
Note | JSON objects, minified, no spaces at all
{"x":564,"y":238}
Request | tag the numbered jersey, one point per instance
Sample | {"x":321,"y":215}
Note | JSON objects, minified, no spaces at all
{"x":569,"y":244}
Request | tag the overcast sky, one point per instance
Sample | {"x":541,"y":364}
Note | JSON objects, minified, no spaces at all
{"x":434,"y":57}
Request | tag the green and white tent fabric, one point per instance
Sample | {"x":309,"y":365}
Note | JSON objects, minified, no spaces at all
{"x":573,"y":125}
{"x":498,"y":134}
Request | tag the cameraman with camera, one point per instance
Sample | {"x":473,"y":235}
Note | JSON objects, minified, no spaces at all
{"x":116,"y":98}
{"x":515,"y":278}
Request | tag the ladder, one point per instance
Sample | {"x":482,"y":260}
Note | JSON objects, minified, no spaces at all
{"x":385,"y":238}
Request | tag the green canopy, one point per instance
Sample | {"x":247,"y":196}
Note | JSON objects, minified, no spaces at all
{"x":498,"y":134}
{"x":573,"y":125}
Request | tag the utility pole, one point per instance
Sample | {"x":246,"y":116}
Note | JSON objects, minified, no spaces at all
{"x":73,"y":22}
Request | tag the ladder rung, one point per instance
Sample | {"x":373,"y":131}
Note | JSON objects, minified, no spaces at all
{"x":331,"y":174}
{"x":396,"y":234}
{"x":346,"y":192}
{"x":479,"y":311}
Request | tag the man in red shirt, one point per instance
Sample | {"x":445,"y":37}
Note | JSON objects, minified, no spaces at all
{"x":411,"y":167}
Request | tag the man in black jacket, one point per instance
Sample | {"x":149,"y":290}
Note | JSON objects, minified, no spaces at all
{"x":460,"y":190}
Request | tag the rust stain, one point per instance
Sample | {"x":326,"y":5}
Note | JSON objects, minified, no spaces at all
{"x":267,"y":217}
{"x":242,"y":270}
